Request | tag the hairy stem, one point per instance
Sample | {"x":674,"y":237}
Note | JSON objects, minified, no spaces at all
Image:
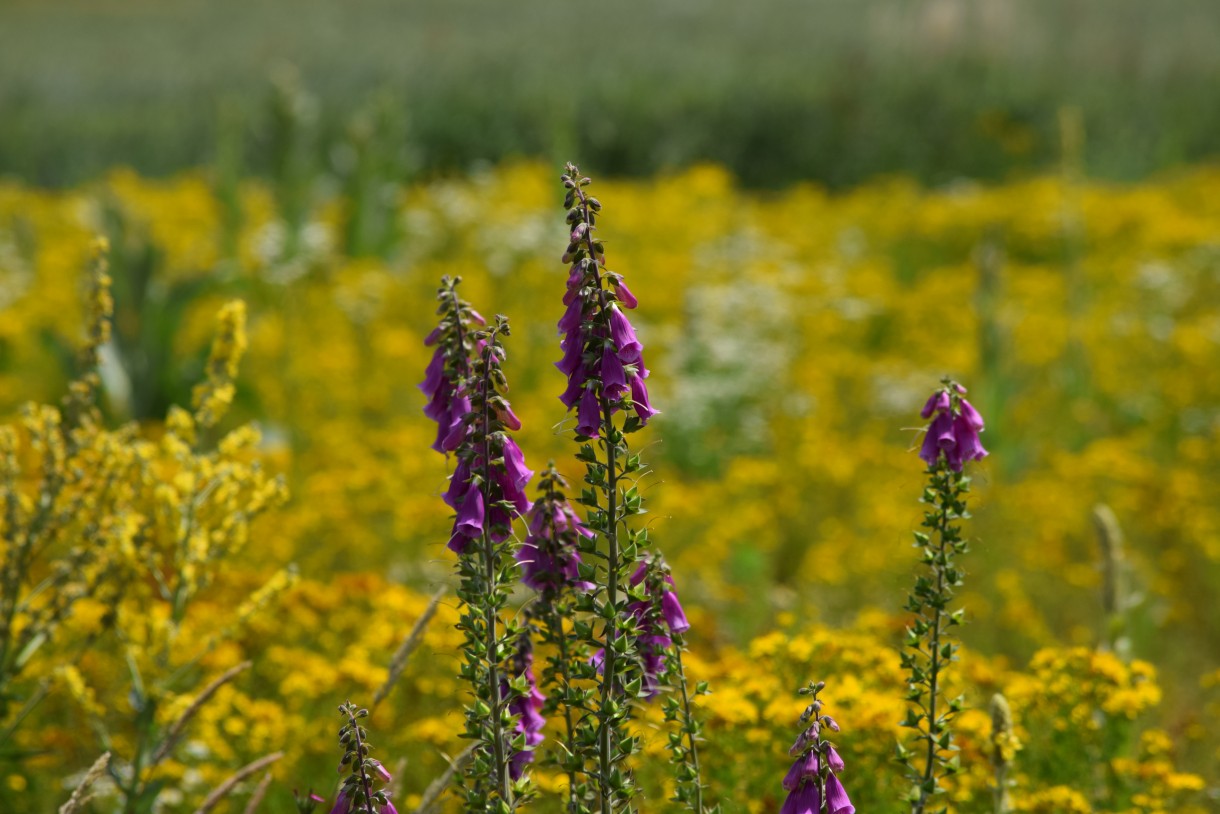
{"x":489,"y":607}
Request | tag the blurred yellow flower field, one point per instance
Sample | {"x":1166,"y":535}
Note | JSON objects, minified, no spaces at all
{"x":792,"y":337}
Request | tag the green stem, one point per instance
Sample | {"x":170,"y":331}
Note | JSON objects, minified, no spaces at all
{"x":689,"y":726}
{"x":611,"y":632}
{"x":939,"y":564}
{"x":489,"y":607}
{"x":555,"y":623}
{"x":365,"y":784}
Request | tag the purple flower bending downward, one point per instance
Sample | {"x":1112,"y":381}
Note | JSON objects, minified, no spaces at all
{"x":955,"y":429}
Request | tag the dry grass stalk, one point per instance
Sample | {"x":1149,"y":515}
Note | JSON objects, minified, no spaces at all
{"x":81,"y":795}
{"x":221,"y":791}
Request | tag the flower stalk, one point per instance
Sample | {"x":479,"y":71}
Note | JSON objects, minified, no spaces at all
{"x":550,"y":562}
{"x":930,"y":646}
{"x":465,"y":385}
{"x":605,"y":369}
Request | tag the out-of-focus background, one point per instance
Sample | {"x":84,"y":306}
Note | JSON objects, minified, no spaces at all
{"x":823,"y":206}
{"x":776,"y":90}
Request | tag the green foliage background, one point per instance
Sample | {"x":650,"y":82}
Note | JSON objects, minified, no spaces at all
{"x":832,"y":90}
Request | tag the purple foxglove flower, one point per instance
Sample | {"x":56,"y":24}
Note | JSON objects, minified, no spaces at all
{"x":805,"y":767}
{"x":458,"y":543}
{"x":803,"y":800}
{"x":341,"y":803}
{"x":623,"y":293}
{"x":937,"y":401}
{"x":506,"y":416}
{"x":836,"y":797}
{"x":514,"y":465}
{"x":614,"y":378}
{"x":551,"y":563}
{"x":588,"y":415}
{"x":576,"y":388}
{"x":456,"y":432}
{"x":623,"y":334}
{"x":573,"y":351}
{"x":639,"y":399}
{"x":570,"y":321}
{"x":968,"y":448}
{"x":432,"y":337}
{"x":674,"y":615}
{"x":971,"y":415}
{"x":956,"y":434}
{"x":834,"y":761}
{"x":536,"y":567}
{"x":469,"y":521}
{"x":388,"y":808}
{"x":437,"y":408}
{"x":457,"y":484}
{"x":939,"y":436}
{"x":510,"y":492}
{"x":527,"y":708}
{"x":434,"y":374}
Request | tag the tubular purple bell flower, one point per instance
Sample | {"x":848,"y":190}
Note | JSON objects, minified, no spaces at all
{"x":550,"y":560}
{"x":614,"y":377}
{"x":804,"y":800}
{"x":954,"y":430}
{"x":623,"y":292}
{"x":589,"y":414}
{"x":519,"y":474}
{"x":671,"y":608}
{"x":639,"y":400}
{"x":836,"y":797}
{"x":527,"y":708}
{"x":651,"y":644}
{"x":623,"y":334}
{"x":802,"y":784}
{"x":456,"y":431}
{"x":468,"y":525}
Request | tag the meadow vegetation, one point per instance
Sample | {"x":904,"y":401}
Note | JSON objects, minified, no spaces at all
{"x":793,"y":337}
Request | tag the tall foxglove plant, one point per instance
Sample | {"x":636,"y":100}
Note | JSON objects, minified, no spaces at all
{"x":487,"y":493}
{"x":951,"y":441}
{"x":812,"y":782}
{"x":604,"y":365}
{"x":550,"y":564}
